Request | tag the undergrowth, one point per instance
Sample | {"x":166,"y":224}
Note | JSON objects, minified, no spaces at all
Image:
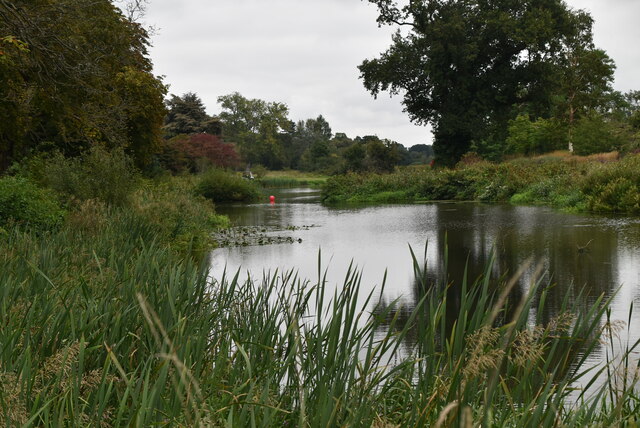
{"x":597,"y":184}
{"x":106,"y":327}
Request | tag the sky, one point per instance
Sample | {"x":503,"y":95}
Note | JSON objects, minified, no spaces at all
{"x":305,"y":54}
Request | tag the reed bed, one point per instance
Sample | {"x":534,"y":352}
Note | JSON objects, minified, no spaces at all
{"x":289,"y":179}
{"x":113,"y":329}
{"x":598,"y":183}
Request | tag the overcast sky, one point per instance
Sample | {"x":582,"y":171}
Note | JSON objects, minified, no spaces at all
{"x":305,"y":53}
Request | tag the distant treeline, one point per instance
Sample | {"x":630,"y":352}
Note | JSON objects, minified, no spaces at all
{"x":256,"y":132}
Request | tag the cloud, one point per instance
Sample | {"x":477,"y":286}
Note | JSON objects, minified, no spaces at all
{"x":305,"y":53}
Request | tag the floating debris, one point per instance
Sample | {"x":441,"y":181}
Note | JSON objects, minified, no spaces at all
{"x":245,"y":236}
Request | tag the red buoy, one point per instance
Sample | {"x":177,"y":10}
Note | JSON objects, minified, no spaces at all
{"x":272,"y":199}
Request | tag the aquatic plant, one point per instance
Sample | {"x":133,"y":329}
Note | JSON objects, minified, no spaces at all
{"x":117,"y":329}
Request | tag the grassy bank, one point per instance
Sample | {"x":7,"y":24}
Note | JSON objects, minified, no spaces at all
{"x":107,"y":327}
{"x":291,"y":178}
{"x":108,"y":317}
{"x":598,"y":184}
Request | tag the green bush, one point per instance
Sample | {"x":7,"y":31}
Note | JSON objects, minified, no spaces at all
{"x":183,"y":220}
{"x":535,"y":137}
{"x":23,"y":203}
{"x":614,"y":187}
{"x":594,"y":134}
{"x":108,"y":176}
{"x":222,"y":186}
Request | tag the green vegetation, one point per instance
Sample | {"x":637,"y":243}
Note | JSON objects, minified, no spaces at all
{"x":259,"y":134}
{"x":87,"y":192}
{"x":76,"y":74}
{"x":108,"y":316}
{"x":599,"y":184}
{"x":478,"y":71}
{"x":103,"y":325}
{"x":23,"y":203}
{"x":221,"y":186}
{"x":291,"y":179}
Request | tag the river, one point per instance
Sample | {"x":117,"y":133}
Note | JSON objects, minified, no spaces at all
{"x":597,"y":254}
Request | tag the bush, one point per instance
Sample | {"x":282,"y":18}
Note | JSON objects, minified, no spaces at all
{"x":221,"y":186}
{"x":593,"y":134}
{"x":108,"y":176}
{"x":539,"y":136}
{"x":22,"y":202}
{"x":183,"y":220}
{"x":614,"y":187}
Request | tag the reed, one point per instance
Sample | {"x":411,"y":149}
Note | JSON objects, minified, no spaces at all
{"x":602,"y":183}
{"x":119,"y":330}
{"x":287,"y":179}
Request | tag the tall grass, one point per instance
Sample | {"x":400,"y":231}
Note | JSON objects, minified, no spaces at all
{"x":118,"y":330}
{"x":596,"y":183}
{"x":284,"y":179}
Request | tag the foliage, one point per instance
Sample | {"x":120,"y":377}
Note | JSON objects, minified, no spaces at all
{"x":114,"y":329}
{"x":22,"y":203}
{"x":599,"y":183}
{"x":614,"y":187}
{"x":255,"y":126}
{"x":354,"y":157}
{"x":382,"y":156}
{"x":198,"y":152}
{"x":310,"y":144}
{"x":535,"y":137}
{"x":594,"y":134}
{"x":76,"y":75}
{"x":221,"y":186}
{"x":462,"y":66}
{"x":142,"y":97}
{"x":291,"y":179}
{"x":108,"y":176}
{"x":186,"y":115}
{"x":182,"y":220}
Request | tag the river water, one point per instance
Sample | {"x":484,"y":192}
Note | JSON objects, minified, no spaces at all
{"x":597,"y":254}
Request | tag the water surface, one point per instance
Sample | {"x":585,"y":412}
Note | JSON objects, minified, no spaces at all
{"x":596,"y":254}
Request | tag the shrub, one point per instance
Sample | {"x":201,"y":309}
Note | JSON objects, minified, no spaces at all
{"x":183,"y":220}
{"x":593,"y":134}
{"x":22,"y":202}
{"x":205,"y":150}
{"x":539,"y":136}
{"x":222,"y":186}
{"x":614,"y":187}
{"x":108,"y":176}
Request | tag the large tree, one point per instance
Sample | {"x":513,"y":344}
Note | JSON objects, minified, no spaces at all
{"x":186,"y":115}
{"x":463,"y":65}
{"x":308,"y":134}
{"x":256,"y":126}
{"x":75,"y":73}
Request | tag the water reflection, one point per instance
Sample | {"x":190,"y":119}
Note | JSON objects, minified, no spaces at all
{"x":593,"y":254}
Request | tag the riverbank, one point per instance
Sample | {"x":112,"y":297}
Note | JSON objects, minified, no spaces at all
{"x":109,"y":317}
{"x":291,"y":178}
{"x":105,"y":326}
{"x":572,"y":183}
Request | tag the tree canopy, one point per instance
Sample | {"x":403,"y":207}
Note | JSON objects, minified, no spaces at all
{"x":469,"y":66}
{"x":256,"y":127}
{"x":75,"y":74}
{"x":186,"y":115}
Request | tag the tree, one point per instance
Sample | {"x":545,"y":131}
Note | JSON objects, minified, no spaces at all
{"x":585,"y":79}
{"x":255,"y":126}
{"x":354,"y":157}
{"x":307,"y":134}
{"x":209,"y":148}
{"x":535,"y":137}
{"x":463,"y":65}
{"x":187,"y":115}
{"x":382,"y":155}
{"x":75,"y":74}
